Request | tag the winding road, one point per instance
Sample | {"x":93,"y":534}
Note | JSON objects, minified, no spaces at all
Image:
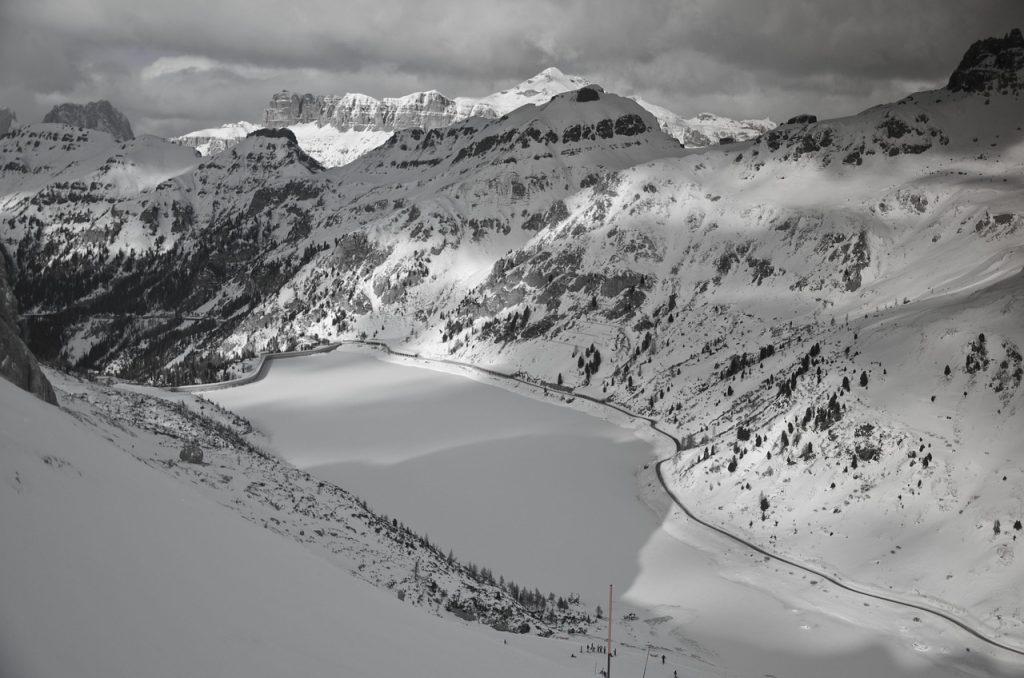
{"x":264,"y":367}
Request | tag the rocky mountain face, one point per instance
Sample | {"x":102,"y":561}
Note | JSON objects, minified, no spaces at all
{"x":829,"y":314}
{"x":17,"y":364}
{"x":8,"y":120}
{"x":423,"y":110}
{"x":993,"y":64}
{"x":338,"y":129}
{"x":97,"y":115}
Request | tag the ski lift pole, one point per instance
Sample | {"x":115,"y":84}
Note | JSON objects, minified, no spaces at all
{"x":646,"y":659}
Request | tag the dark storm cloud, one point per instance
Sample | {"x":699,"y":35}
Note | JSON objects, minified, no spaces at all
{"x":175,"y":66}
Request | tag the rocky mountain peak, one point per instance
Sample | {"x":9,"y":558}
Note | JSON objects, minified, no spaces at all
{"x":991,"y":64}
{"x":282,"y":145}
{"x":97,"y":115}
{"x":552,"y":78}
{"x":336,"y":129}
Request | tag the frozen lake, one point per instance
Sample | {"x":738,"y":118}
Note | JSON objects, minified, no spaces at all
{"x":538,"y":493}
{"x":548,"y":496}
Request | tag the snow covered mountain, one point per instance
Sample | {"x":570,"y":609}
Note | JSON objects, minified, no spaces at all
{"x":706,"y":129}
{"x":216,"y":139}
{"x":338,"y":129}
{"x":423,"y":110}
{"x":788,"y":304}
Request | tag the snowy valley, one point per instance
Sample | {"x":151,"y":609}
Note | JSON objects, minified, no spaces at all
{"x":824,"y":319}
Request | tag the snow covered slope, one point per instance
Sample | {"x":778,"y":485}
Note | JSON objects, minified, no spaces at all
{"x":216,"y":139}
{"x":115,"y":567}
{"x":536,"y":90}
{"x":706,"y":129}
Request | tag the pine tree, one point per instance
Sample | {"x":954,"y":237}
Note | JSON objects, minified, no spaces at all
{"x":863,"y":379}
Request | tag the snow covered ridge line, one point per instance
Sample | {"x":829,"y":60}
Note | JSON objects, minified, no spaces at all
{"x":834,"y":578}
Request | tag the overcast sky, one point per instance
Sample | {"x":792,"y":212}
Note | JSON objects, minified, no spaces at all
{"x":177,"y":65}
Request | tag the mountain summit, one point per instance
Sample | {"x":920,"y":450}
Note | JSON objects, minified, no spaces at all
{"x":97,"y":115}
{"x":337,"y":129}
{"x":991,"y":64}
{"x":423,"y":110}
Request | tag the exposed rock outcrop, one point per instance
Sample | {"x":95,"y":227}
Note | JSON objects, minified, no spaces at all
{"x":359,"y":112}
{"x":992,"y":63}
{"x":802,"y":119}
{"x":97,"y":115}
{"x":17,"y":364}
{"x":8,"y":120}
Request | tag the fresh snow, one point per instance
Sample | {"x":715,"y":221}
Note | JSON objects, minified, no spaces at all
{"x":110,"y":568}
{"x":333,"y":147}
{"x":216,"y":139}
{"x":551,"y":496}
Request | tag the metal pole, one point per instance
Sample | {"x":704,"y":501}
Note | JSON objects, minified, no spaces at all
{"x":609,"y":648}
{"x":646,"y":659}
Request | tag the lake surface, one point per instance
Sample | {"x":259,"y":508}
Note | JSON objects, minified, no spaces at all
{"x":539,"y":493}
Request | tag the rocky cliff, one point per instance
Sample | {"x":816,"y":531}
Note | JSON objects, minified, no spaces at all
{"x":423,"y":110}
{"x":97,"y":115}
{"x":17,"y":364}
{"x":991,"y":64}
{"x":8,"y":120}
{"x":336,"y":129}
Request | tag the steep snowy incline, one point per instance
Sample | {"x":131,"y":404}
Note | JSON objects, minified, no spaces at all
{"x":111,"y":567}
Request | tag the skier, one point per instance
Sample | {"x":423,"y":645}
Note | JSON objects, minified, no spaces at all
{"x":663,"y":659}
